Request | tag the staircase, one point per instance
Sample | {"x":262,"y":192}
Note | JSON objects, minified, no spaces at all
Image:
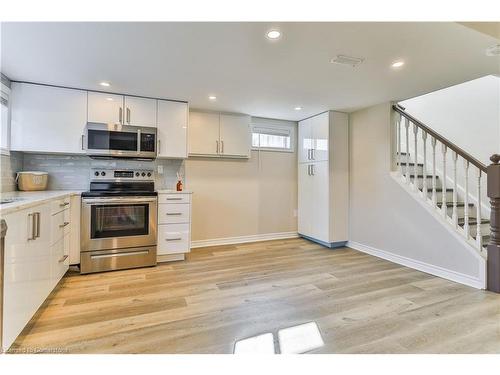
{"x":444,"y":177}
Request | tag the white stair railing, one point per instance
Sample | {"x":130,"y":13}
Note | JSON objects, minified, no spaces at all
{"x":461,"y":220}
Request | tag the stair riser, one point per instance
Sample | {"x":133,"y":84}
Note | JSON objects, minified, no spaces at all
{"x":420,"y":182}
{"x":420,"y":169}
{"x":461,"y":212}
{"x":439,"y":195}
{"x":485,"y":229}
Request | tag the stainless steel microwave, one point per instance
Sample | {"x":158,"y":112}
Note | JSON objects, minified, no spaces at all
{"x":123,"y":141}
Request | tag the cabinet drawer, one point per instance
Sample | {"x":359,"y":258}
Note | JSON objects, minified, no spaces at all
{"x":174,"y":198}
{"x":173,"y":238}
{"x":59,"y":226}
{"x":59,"y":205}
{"x":173,"y":213}
{"x":60,"y":261}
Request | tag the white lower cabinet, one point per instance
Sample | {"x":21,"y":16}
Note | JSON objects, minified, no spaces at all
{"x":36,"y":249}
{"x":174,"y":226}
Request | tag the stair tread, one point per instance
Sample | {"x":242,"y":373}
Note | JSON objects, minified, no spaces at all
{"x":459,"y":204}
{"x":472,"y":221}
{"x":411,"y":164}
{"x":439,"y":189}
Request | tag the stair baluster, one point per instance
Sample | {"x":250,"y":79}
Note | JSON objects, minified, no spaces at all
{"x":407,"y":125}
{"x":415,"y":165}
{"x":454,"y":215}
{"x":444,"y":149}
{"x":479,"y":235}
{"x":398,"y":122}
{"x":434,"y":195}
{"x":466,"y":199}
{"x":424,"y":169}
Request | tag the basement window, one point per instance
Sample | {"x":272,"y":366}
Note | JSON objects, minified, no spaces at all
{"x":272,"y":138}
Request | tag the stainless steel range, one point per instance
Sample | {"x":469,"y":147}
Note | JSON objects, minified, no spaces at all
{"x":118,"y":221}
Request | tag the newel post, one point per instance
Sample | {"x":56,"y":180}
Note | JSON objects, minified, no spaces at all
{"x":494,"y":244}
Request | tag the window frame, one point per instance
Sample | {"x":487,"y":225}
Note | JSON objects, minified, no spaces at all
{"x":272,"y":126}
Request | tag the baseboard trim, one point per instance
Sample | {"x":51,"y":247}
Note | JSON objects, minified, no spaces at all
{"x":444,"y":273}
{"x":243,"y":239}
{"x":330,"y":245}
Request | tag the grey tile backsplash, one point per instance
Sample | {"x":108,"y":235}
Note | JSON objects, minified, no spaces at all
{"x":9,"y":166}
{"x":73,"y":171}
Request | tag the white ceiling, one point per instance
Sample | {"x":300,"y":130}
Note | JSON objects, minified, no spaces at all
{"x":247,"y":72}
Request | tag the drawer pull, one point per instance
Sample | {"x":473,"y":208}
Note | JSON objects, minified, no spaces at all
{"x":174,"y":213}
{"x":63,"y":204}
{"x":63,"y":225}
{"x":173,"y":239}
{"x":174,"y":199}
{"x":63,"y":259}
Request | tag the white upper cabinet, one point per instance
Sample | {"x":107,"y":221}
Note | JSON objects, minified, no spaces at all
{"x":172,"y":129}
{"x":105,"y":108}
{"x":139,"y":111}
{"x":219,"y":135}
{"x":118,"y":109}
{"x":47,"y":119}
{"x":235,"y":135}
{"x":204,"y":133}
{"x":305,"y":143}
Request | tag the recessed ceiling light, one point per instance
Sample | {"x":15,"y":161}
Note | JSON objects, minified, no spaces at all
{"x":273,"y":34}
{"x":298,"y":108}
{"x":212,"y":97}
{"x":110,"y":99}
{"x":397,"y":64}
{"x":105,"y":84}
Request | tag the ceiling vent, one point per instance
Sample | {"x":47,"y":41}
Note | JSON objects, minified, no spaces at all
{"x":493,"y":51}
{"x":347,"y":60}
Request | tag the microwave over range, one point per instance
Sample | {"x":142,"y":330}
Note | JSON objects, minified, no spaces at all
{"x":122,"y":141}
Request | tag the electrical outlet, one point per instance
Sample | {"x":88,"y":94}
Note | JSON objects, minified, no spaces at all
{"x":160,"y":169}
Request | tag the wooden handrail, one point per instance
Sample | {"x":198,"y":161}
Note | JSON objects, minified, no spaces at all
{"x":471,"y":159}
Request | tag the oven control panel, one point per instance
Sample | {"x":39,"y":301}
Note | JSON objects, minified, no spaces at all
{"x":122,"y":174}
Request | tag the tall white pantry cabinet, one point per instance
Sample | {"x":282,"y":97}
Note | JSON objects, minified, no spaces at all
{"x":323,"y":177}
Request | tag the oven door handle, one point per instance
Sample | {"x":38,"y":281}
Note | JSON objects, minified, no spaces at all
{"x":118,"y":200}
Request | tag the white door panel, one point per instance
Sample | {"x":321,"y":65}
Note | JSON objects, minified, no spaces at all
{"x":105,"y":108}
{"x":140,"y":111}
{"x":203,"y":133}
{"x":172,"y":129}
{"x":235,"y":135}
{"x":305,"y":143}
{"x":47,"y":119}
{"x":320,"y":134}
{"x":321,"y":206}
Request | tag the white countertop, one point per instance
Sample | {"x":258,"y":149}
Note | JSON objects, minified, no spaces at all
{"x":167,"y":191}
{"x":26,"y":199}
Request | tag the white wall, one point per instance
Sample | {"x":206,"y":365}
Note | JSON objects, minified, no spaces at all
{"x":467,"y":114}
{"x":237,"y":198}
{"x":384,"y":216}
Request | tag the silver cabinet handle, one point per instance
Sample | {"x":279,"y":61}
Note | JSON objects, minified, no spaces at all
{"x":36,"y":225}
{"x":83,"y":141}
{"x":173,"y":239}
{"x":62,"y":259}
{"x":216,"y":147}
{"x":159,"y":144}
{"x":33,"y":226}
{"x":174,"y":213}
{"x":174,"y":199}
{"x":312,"y":154}
{"x":221,"y":146}
{"x":63,"y":204}
{"x":120,"y":115}
{"x":63,"y":225}
{"x":138,"y":140}
{"x":312,"y":169}
{"x":128,"y":115}
{"x":308,"y":154}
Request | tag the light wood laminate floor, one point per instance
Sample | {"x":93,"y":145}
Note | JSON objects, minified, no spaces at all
{"x":361,"y":304}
